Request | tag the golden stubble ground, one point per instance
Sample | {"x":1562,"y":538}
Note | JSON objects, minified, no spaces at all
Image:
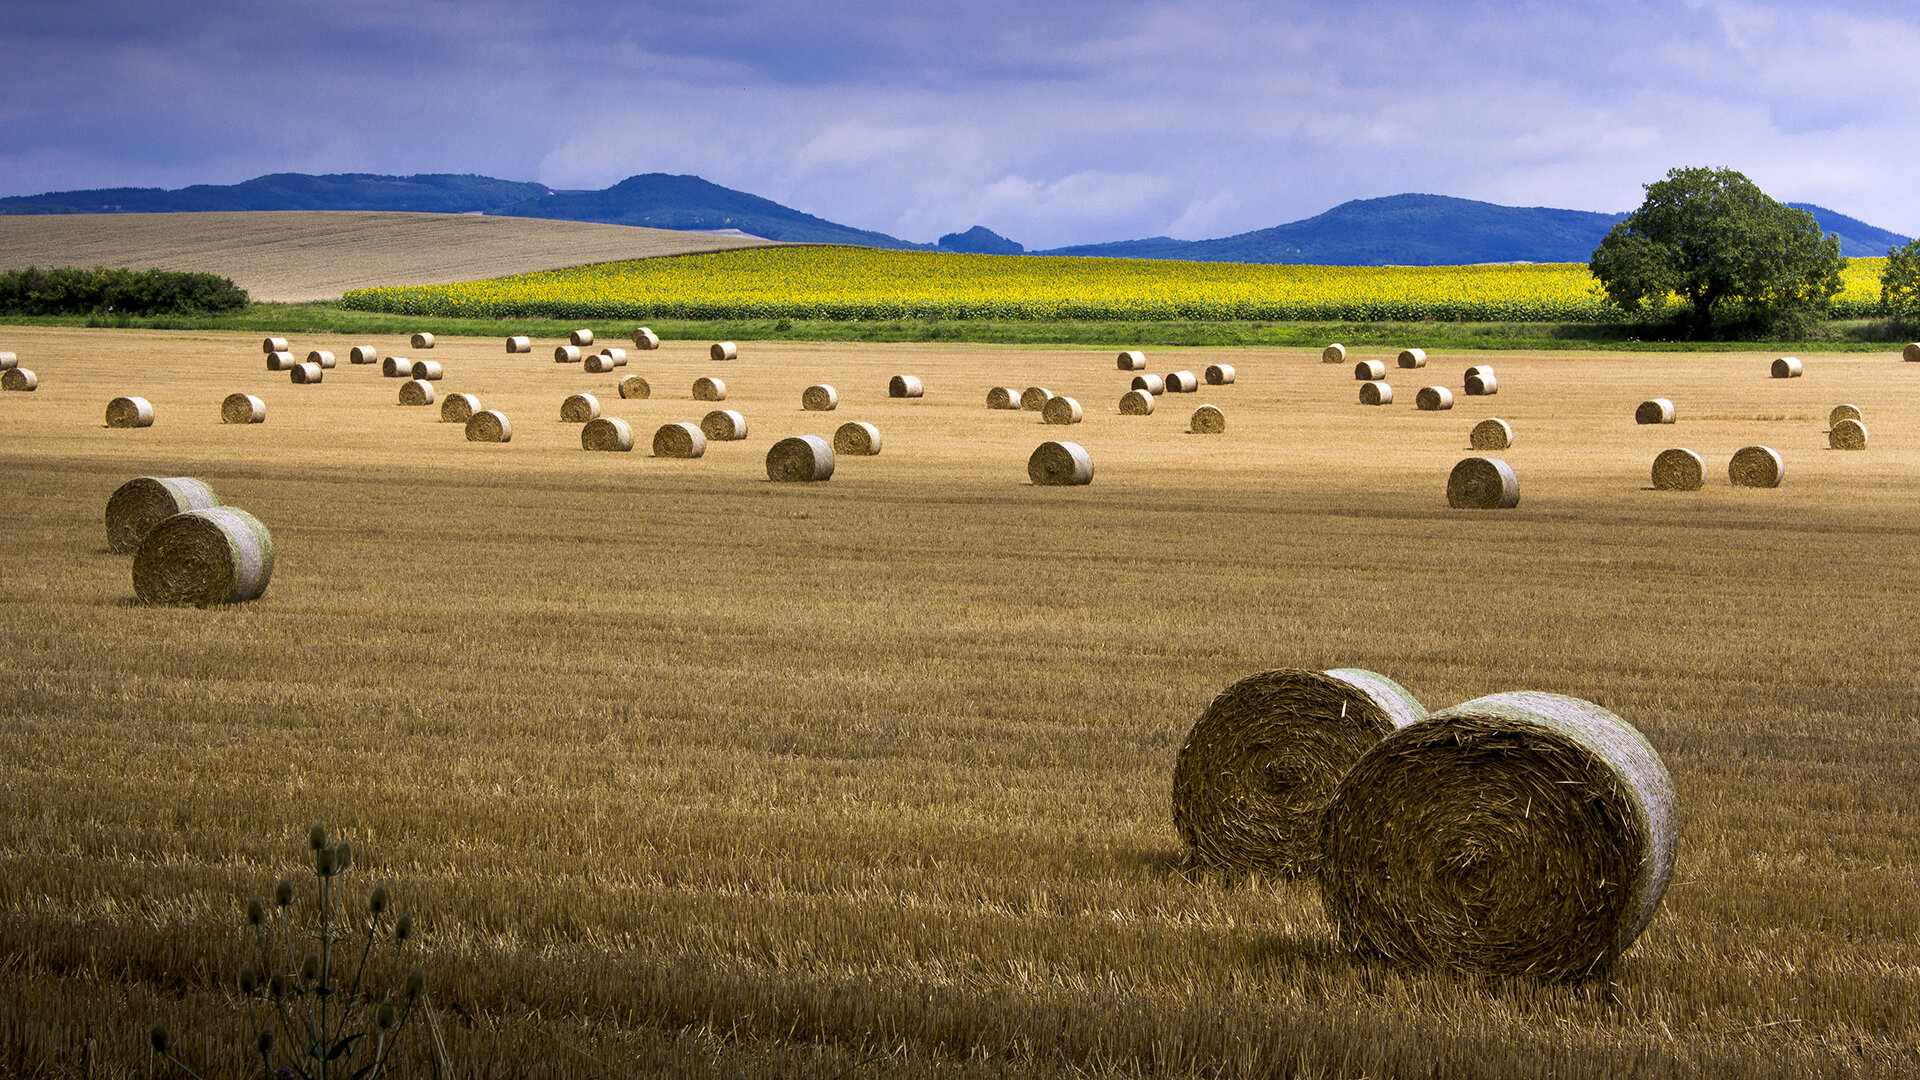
{"x":687,"y":772}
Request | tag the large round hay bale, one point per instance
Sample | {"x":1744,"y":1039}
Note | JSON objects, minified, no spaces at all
{"x":273,"y":345}
{"x":1136,"y":403}
{"x":243,"y":409}
{"x":644,"y":338}
{"x":1035,"y":398}
{"x":422,"y":340}
{"x":519,"y":343}
{"x":608,"y":433}
{"x":579,"y":408}
{"x":1657,"y":411}
{"x":427,"y":369}
{"x":1376,"y":393}
{"x":1433,"y":399}
{"x":363,"y":354}
{"x":679,"y":440}
{"x":1182,"y":382}
{"x":1756,"y":466}
{"x":458,"y":408}
{"x":323,"y":358}
{"x":582,"y":337}
{"x":566,"y":354}
{"x":598,"y":363}
{"x":8,"y":361}
{"x":1370,"y":370}
{"x":20,"y":379}
{"x":1492,"y":433}
{"x":1060,"y":464}
{"x":1480,"y":370}
{"x":819,"y":398}
{"x":1518,"y":834}
{"x":1208,"y":420}
{"x":1266,"y":757}
{"x":1479,"y":483}
{"x":280,"y":361}
{"x":1003,"y":397}
{"x":1848,"y":435}
{"x":616,"y":354}
{"x":1132,"y":360}
{"x":905,"y":386}
{"x":1911,"y":354}
{"x":488,"y":425}
{"x":1678,"y":469}
{"x":396,"y":367}
{"x":306,"y":374}
{"x":129,"y":412}
{"x":219,"y":555}
{"x":857,"y":438}
{"x":709,"y":389}
{"x":633,"y":386}
{"x":416,"y":392}
{"x":1060,"y":410}
{"x":1219,"y":374}
{"x":1482,"y":385}
{"x":723,"y":350}
{"x":1335,"y":353}
{"x":800,"y":459}
{"x":1413,"y":358}
{"x":145,"y":501}
{"x":723,"y":425}
{"x":1152,"y":384}
{"x":1844,"y":412}
{"x":1788,"y":367}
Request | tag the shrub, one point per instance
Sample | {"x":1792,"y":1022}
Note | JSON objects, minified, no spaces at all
{"x":68,"y":290}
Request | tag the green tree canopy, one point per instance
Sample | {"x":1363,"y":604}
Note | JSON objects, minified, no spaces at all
{"x":1900,"y":284}
{"x":1734,"y":257}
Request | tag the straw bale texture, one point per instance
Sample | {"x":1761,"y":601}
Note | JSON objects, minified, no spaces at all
{"x":1844,"y":412}
{"x":1267,"y":755}
{"x":1679,"y":469}
{"x":1060,"y":464}
{"x":422,"y":340}
{"x":579,"y":408}
{"x":1479,"y":483}
{"x":616,"y":354}
{"x":323,"y":358}
{"x":905,"y":386}
{"x":1219,"y":374}
{"x":1522,"y":834}
{"x":1911,"y":353}
{"x":1657,"y":411}
{"x":145,"y":501}
{"x":1335,"y":353}
{"x":219,"y":555}
{"x":608,"y":433}
{"x":819,"y":398}
{"x":1788,"y":367}
{"x":396,"y":367}
{"x":598,"y":363}
{"x":1848,"y":435}
{"x":1376,"y":393}
{"x":858,"y":439}
{"x":129,"y":412}
{"x":644,"y":338}
{"x":18,"y":378}
{"x":582,"y":337}
{"x":1369,"y":370}
{"x":519,"y":343}
{"x":1481,"y":370}
{"x":1413,"y":358}
{"x":800,"y":459}
{"x":1433,"y":399}
{"x":633,"y":386}
{"x":416,"y":392}
{"x":8,"y":361}
{"x":363,"y":354}
{"x":306,"y":374}
{"x":1136,"y":403}
{"x":1756,"y":466}
{"x":724,"y":350}
{"x":679,"y":440}
{"x":273,"y":345}
{"x":243,"y":409}
{"x":1132,"y":360}
{"x":709,"y":389}
{"x":1208,"y":420}
{"x":458,"y":408}
{"x":566,"y":354}
{"x":427,"y":369}
{"x":1003,"y":397}
{"x":1060,"y":410}
{"x":724,"y":425}
{"x":1492,"y":433}
{"x":1182,"y":382}
{"x":1482,"y":385}
{"x":488,"y":425}
{"x":280,"y":361}
{"x":1035,"y":398}
{"x":1152,"y":384}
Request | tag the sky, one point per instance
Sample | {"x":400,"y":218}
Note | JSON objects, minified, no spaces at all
{"x":1052,"y":123}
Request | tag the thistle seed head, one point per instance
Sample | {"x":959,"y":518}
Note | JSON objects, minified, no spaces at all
{"x":416,"y":982}
{"x":317,"y":836}
{"x":325,"y":862}
{"x":159,"y":1038}
{"x":383,"y":1016}
{"x":277,"y":985}
{"x":264,"y":1041}
{"x":343,"y":854}
{"x":403,"y":928}
{"x":377,"y":903}
{"x":249,"y":980}
{"x":310,"y":967}
{"x":283,"y":893}
{"x":256,"y":911}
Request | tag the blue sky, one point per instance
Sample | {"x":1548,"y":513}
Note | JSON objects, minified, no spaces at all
{"x":1052,"y":123}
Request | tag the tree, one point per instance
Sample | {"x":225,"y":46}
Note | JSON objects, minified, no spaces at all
{"x":1734,"y":257}
{"x":1900,"y":284}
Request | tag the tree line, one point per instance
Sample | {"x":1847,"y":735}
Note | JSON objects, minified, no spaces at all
{"x":68,"y":290}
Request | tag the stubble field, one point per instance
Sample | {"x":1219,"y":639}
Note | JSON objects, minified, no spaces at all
{"x":684,"y":772}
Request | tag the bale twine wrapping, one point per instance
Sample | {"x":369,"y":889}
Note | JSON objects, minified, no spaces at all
{"x":607,"y":433}
{"x":1370,"y":370}
{"x":18,"y":378}
{"x":598,"y":363}
{"x":145,"y":501}
{"x":1844,"y":412}
{"x":519,"y":343}
{"x":1182,"y":382}
{"x":566,"y":354}
{"x":1788,"y":367}
{"x":709,"y":389}
{"x":129,"y":412}
{"x":1516,"y":834}
{"x":1482,"y":385}
{"x":633,"y":386}
{"x":616,"y":354}
{"x":1413,"y":358}
{"x":1678,"y":469}
{"x":323,"y":358}
{"x":1136,"y":403}
{"x":416,"y":392}
{"x":723,"y":425}
{"x":1060,"y":464}
{"x":857,"y":438}
{"x":458,"y":408}
{"x":1492,"y":433}
{"x":1376,"y":393}
{"x":905,"y":386}
{"x":1433,"y":399}
{"x":428,"y":370}
{"x":1132,"y":360}
{"x":396,"y":367}
{"x":1267,"y":755}
{"x":488,"y":425}
{"x":1479,"y":483}
{"x":423,"y":340}
{"x":280,"y":361}
{"x":1335,"y":353}
{"x":1035,"y":398}
{"x":363,"y":354}
{"x":243,"y":409}
{"x":800,"y":459}
{"x":1911,"y":354}
{"x":1208,"y":420}
{"x":579,"y":408}
{"x":1657,"y":411}
{"x":819,"y":398}
{"x":1061,"y":410}
{"x":307,"y":374}
{"x":1152,"y":384}
{"x":273,"y":345}
{"x":644,"y":338}
{"x":1756,"y":466}
{"x":1848,"y":435}
{"x":8,"y":361}
{"x":724,"y":350}
{"x":582,"y":337}
{"x":1219,"y":374}
{"x":679,"y":440}
{"x":220,"y":555}
{"x":1003,"y":397}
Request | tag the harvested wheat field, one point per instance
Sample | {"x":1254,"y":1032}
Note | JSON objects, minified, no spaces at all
{"x":684,"y":772}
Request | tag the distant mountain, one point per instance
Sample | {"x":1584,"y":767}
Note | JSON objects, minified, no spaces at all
{"x":436,"y":193}
{"x":661,"y":201}
{"x":1858,"y":240}
{"x":980,"y":240}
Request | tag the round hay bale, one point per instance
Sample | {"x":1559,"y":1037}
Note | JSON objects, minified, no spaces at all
{"x":800,"y":459}
{"x":396,"y":367}
{"x":819,"y":398}
{"x":1413,"y":358}
{"x":1151,"y":384}
{"x":1657,"y":411}
{"x":1376,"y":393}
{"x":723,"y":425}
{"x":1136,"y":403}
{"x":1848,"y":435}
{"x":1370,"y":370}
{"x":1003,"y":397}
{"x":1182,"y":382}
{"x":422,"y":340}
{"x":608,"y":433}
{"x":243,"y":409}
{"x":1756,"y":466}
{"x":723,"y":350}
{"x":1208,"y":420}
{"x":1479,"y":370}
{"x":416,"y":392}
{"x":1788,"y":367}
{"x":709,"y":389}
{"x":633,"y":386}
{"x":1482,"y":385}
{"x":273,"y":345}
{"x":1516,"y":834}
{"x":1060,"y":410}
{"x":1335,"y":353}
{"x":307,"y":374}
{"x":598,"y":363}
{"x":8,"y":361}
{"x":519,"y":343}
{"x":582,"y":337}
{"x":1266,"y":757}
{"x":1035,"y":398}
{"x":1911,"y":354}
{"x":458,"y":408}
{"x":1844,"y":412}
{"x":323,"y":358}
{"x":616,"y":354}
{"x":488,"y":425}
{"x":858,"y":439}
{"x":1219,"y":374}
{"x":1060,"y":464}
{"x":905,"y":386}
{"x":679,"y":440}
{"x":427,"y":369}
{"x":1492,"y":433}
{"x":363,"y":354}
{"x":1433,"y":399}
{"x":145,"y":501}
{"x":646,"y":339}
{"x":129,"y":412}
{"x":566,"y":354}
{"x":1678,"y":469}
{"x":579,"y":408}
{"x":280,"y":361}
{"x":1132,"y":360}
{"x":1483,"y":484}
{"x":19,"y":378}
{"x":220,"y":555}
